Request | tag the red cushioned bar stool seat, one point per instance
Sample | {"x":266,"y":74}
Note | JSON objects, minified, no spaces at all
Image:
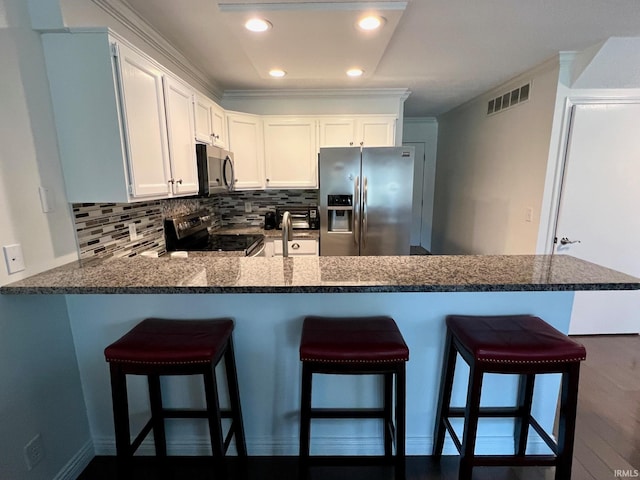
{"x":355,"y":346}
{"x":157,"y":347}
{"x":512,"y":344}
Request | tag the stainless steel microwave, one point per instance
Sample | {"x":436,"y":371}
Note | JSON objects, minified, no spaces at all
{"x":215,"y":170}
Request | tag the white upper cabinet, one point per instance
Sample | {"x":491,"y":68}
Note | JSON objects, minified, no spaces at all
{"x":144,"y":123}
{"x":365,"y":130}
{"x":290,"y":152}
{"x":337,"y":132}
{"x":125,"y":126}
{"x":210,"y":124}
{"x":247,"y":144}
{"x":182,"y":151}
{"x":376,"y":131}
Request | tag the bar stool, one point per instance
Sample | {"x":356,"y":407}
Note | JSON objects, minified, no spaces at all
{"x":355,"y":346}
{"x":158,"y":347}
{"x":516,"y":344}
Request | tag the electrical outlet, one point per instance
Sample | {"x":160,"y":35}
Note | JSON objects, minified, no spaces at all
{"x":528,"y":216}
{"x":14,"y":258}
{"x":247,"y":207}
{"x":33,"y":452}
{"x":133,"y":233}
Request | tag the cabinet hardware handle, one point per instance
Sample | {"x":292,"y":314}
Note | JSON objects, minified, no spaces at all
{"x":267,"y":179}
{"x":179,"y":181}
{"x":295,"y":246}
{"x":351,"y":144}
{"x":171,"y":181}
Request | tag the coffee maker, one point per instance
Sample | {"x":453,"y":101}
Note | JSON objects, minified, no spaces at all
{"x":270,"y":220}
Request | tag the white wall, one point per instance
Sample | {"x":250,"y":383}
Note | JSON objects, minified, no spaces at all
{"x":491,"y":169}
{"x":425,"y":130}
{"x":39,"y":382}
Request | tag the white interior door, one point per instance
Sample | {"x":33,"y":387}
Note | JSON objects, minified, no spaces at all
{"x":598,"y":208}
{"x":418,"y":182}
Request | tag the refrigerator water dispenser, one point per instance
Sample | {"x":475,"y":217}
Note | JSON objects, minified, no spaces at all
{"x":340,"y":209}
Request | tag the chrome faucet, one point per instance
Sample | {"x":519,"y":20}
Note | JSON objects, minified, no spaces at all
{"x":286,"y":233}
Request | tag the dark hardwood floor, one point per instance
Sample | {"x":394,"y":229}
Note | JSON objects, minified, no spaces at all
{"x":607,"y":437}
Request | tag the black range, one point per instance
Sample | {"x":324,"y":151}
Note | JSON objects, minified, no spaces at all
{"x":191,"y":233}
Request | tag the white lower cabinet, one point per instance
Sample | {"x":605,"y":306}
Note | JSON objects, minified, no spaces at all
{"x":297,"y":247}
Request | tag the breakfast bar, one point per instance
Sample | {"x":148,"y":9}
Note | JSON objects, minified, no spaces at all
{"x":269,"y":297}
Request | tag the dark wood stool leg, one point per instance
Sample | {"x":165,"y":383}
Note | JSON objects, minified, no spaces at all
{"x":567,"y":421}
{"x":121,"y":420}
{"x":401,"y":413}
{"x":157,"y":418}
{"x":525,"y":398}
{"x":471,"y":414}
{"x":388,"y":415}
{"x":444,"y":400}
{"x":214,"y":417}
{"x":305,"y":412}
{"x":234,"y":397}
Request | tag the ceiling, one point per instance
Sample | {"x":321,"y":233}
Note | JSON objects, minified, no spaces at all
{"x":444,"y":51}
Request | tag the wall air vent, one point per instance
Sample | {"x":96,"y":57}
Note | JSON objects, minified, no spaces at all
{"x":509,"y":99}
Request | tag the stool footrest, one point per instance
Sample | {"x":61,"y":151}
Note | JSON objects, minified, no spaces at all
{"x":514,"y":461}
{"x":191,"y":413}
{"x":347,"y":413}
{"x":490,"y":412}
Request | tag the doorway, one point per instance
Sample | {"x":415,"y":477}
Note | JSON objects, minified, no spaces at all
{"x":418,"y":190}
{"x":597,"y":214}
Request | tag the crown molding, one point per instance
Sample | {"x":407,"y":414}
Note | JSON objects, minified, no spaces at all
{"x":127,"y":16}
{"x":401,"y":93}
{"x":309,"y":6}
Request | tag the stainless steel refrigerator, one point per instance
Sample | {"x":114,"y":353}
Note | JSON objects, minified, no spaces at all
{"x":365,"y":200}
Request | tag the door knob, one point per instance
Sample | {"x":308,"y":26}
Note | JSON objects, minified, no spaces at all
{"x":566,"y":241}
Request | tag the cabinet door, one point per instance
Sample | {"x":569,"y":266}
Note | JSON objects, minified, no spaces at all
{"x":202,"y":116}
{"x":337,"y":132}
{"x":377,"y":131}
{"x":290,"y":153}
{"x":144,"y":124}
{"x":297,"y":247}
{"x":246,"y":143}
{"x":180,"y":130}
{"x":218,"y":126}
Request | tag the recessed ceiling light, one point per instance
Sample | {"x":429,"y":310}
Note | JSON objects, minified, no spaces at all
{"x":370,"y":22}
{"x":257,"y":25}
{"x":355,"y":72}
{"x":277,"y":73}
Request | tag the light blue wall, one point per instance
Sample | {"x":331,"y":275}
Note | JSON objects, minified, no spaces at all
{"x":40,"y":391}
{"x":267,"y":337}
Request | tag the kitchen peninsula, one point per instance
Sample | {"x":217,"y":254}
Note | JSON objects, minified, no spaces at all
{"x":268,"y":297}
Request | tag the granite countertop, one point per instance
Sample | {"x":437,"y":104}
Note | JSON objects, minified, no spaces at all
{"x":431,"y":273}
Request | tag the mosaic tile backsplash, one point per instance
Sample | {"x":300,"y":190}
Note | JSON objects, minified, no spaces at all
{"x":102,"y":230}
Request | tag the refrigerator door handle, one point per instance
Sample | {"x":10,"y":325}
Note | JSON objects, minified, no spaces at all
{"x":364,"y":212}
{"x":356,"y":211}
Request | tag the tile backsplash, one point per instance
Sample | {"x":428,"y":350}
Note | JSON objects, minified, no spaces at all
{"x":102,"y":229}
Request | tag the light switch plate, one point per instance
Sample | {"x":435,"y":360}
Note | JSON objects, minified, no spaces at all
{"x":14,"y":258}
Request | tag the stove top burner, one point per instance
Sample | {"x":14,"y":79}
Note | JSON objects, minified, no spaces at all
{"x":190,"y":233}
{"x":229,"y":242}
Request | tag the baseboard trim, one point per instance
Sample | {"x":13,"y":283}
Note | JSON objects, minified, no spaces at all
{"x":77,"y":464}
{"x":330,"y":446}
